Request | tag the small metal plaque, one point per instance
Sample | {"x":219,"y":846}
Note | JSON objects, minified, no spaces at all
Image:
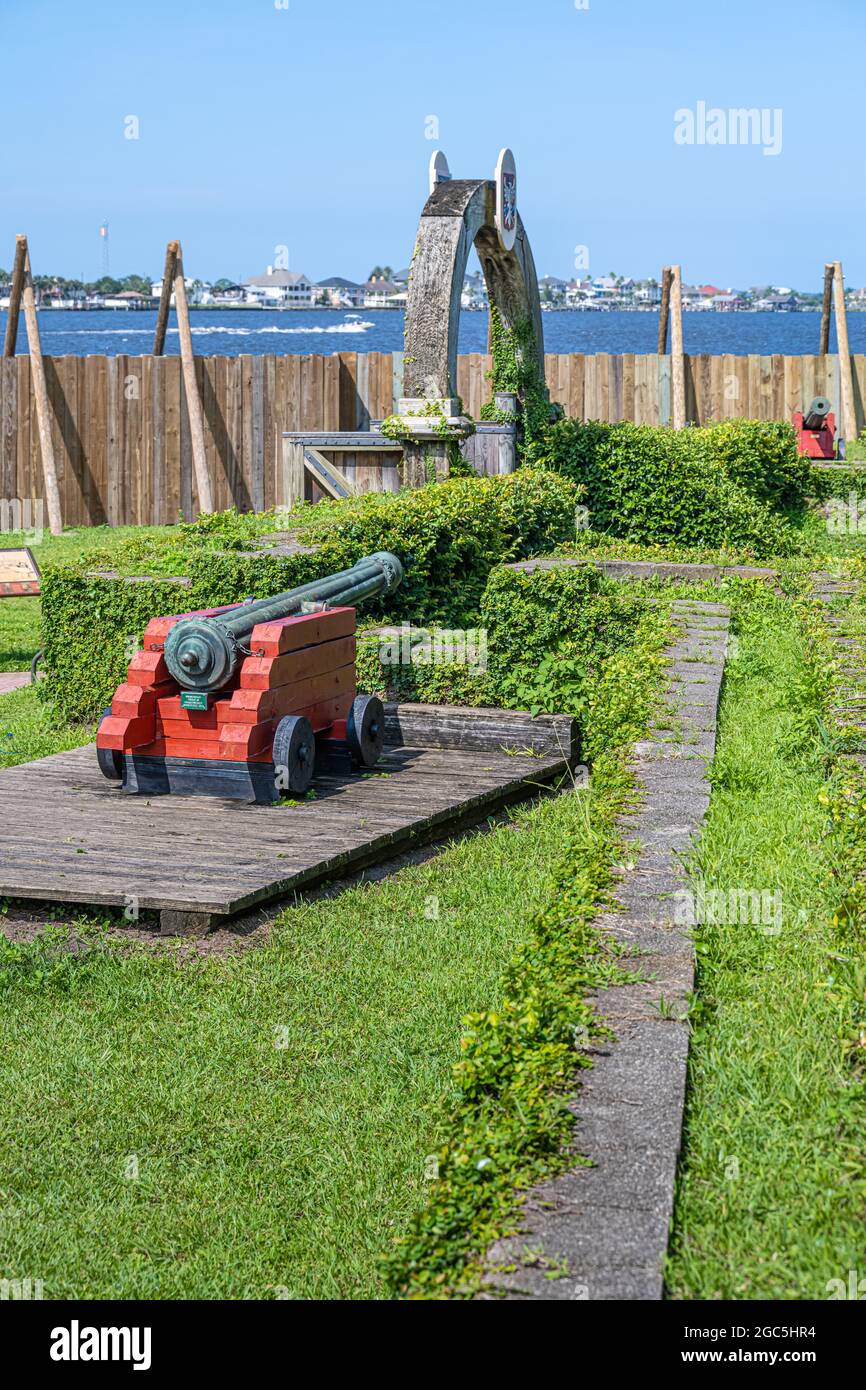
{"x":194,"y":699}
{"x":19,"y":574}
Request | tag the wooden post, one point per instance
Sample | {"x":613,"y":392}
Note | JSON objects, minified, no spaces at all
{"x":664,"y":310}
{"x":824,"y":344}
{"x":293,"y":473}
{"x":15,"y":289}
{"x":43,"y":410}
{"x":168,"y":274}
{"x":678,"y":365}
{"x":846,"y":382}
{"x":190,"y":386}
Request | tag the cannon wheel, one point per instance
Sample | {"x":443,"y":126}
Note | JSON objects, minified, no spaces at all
{"x":294,"y":753}
{"x":365,"y":729}
{"x":110,"y":761}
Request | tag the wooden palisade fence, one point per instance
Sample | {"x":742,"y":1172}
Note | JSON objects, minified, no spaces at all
{"x":121,"y":434}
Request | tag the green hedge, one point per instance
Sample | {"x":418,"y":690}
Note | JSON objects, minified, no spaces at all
{"x":761,"y":456}
{"x":448,"y":536}
{"x":840,"y":482}
{"x":547,"y":637}
{"x":717,"y":486}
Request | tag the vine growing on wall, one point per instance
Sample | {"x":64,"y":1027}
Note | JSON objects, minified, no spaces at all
{"x":515,"y":369}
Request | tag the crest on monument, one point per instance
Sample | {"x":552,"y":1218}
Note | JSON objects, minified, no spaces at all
{"x":506,"y":199}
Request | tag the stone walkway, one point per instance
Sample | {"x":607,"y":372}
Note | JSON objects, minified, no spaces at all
{"x":601,"y":1232}
{"x":13,"y":680}
{"x":848,"y":711}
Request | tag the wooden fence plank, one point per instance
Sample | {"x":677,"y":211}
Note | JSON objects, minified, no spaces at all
{"x":122,"y":440}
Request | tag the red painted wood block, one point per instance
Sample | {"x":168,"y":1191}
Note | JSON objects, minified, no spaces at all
{"x":132,"y":700}
{"x":169,"y":707}
{"x":147,"y":668}
{"x":197,"y":747}
{"x":241,"y":742}
{"x":185,"y":728}
{"x":250,"y":706}
{"x":269,"y":672}
{"x":302,"y":630}
{"x":249,"y":738}
{"x":123,"y":734}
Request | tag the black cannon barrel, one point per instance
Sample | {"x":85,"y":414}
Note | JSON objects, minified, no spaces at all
{"x":817,"y":413}
{"x":204,"y":653}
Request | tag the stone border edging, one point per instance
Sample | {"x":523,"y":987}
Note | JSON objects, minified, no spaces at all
{"x":650,"y":569}
{"x":607,"y":1226}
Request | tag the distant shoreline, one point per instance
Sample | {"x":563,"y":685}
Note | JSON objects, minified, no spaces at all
{"x":399,"y":308}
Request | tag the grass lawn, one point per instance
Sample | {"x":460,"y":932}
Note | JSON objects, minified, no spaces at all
{"x":238,"y":1126}
{"x":277,"y":1106}
{"x":772,"y":1200}
{"x":29,"y":729}
{"x":20,"y":637}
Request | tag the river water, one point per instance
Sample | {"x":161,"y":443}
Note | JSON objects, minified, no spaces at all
{"x":228,"y":332}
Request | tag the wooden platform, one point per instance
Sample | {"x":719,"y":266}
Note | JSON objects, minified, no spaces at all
{"x":68,"y":835}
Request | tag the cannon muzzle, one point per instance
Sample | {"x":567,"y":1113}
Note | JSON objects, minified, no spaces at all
{"x":817,"y":413}
{"x":204,"y":653}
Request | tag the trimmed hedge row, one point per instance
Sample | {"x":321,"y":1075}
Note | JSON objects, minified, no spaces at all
{"x":545,"y":639}
{"x":721,"y":485}
{"x":448,"y":536}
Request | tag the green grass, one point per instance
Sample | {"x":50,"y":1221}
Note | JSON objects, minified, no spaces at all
{"x":29,"y":729}
{"x":20,"y":618}
{"x":280,"y":1103}
{"x":771,"y":1200}
{"x":19,"y":632}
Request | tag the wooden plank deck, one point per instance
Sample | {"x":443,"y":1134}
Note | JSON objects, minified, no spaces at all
{"x":68,"y":835}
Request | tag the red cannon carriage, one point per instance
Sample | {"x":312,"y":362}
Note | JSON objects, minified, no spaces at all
{"x":248,"y":700}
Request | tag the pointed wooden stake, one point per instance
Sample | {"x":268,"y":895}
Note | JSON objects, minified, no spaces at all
{"x":678,"y":364}
{"x":193,"y":401}
{"x":43,"y":409}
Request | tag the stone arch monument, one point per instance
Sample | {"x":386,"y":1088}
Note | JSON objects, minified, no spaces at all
{"x":460,"y":214}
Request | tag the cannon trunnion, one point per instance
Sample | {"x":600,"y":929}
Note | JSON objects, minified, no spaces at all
{"x":248,"y":701}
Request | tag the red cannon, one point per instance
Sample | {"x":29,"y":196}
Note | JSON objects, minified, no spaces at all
{"x":816,"y":430}
{"x":248,"y":700}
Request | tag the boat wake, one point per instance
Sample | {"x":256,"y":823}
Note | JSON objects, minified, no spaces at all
{"x":205,"y":330}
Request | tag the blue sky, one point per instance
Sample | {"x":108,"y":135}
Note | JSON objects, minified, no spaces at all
{"x":306,"y":127}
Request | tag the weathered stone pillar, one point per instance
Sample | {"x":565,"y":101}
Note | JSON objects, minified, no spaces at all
{"x":427,"y":428}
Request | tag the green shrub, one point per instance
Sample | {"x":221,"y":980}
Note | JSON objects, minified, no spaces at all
{"x":655,"y":485}
{"x":544,"y":641}
{"x":571,"y":612}
{"x":841,"y":482}
{"x":761,"y":456}
{"x":448,"y":536}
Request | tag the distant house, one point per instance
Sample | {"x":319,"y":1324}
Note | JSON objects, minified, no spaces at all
{"x":126,"y":299}
{"x":578,"y":293}
{"x":474,"y":293}
{"x":709,"y":291}
{"x":340,"y":293}
{"x":225,"y":294}
{"x":781,"y":303}
{"x":648,"y":294}
{"x":605,"y":287}
{"x":279,"y":288}
{"x":728,"y":301}
{"x":384,"y":294}
{"x":401,"y":277}
{"x":552,"y":288}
